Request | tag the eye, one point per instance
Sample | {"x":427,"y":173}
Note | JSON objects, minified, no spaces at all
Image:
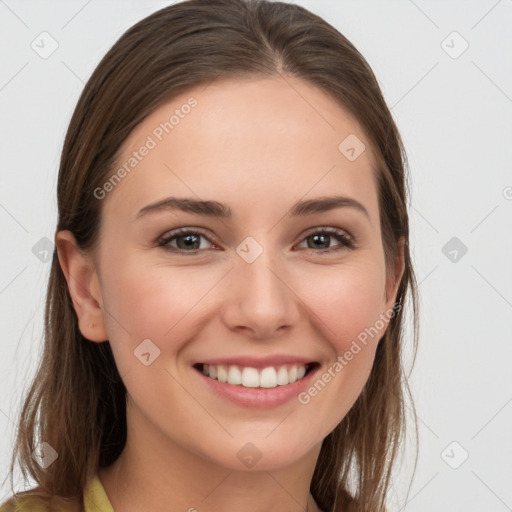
{"x":321,"y":239}
{"x":187,"y":240}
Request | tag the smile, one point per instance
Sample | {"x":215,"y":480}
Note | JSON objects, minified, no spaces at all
{"x":249,"y":377}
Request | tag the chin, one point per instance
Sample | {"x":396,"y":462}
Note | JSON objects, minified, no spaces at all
{"x":261,"y":453}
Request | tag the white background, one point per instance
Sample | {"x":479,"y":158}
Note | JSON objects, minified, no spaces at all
{"x":455,"y":116}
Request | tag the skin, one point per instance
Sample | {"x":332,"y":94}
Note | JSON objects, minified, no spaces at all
{"x":258,"y":146}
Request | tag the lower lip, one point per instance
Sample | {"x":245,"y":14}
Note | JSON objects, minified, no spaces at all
{"x":258,"y":397}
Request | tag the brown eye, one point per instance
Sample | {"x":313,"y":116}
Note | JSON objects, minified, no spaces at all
{"x":187,"y":241}
{"x":320,"y":241}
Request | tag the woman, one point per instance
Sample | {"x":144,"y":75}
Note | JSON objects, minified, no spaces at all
{"x":224,"y":316}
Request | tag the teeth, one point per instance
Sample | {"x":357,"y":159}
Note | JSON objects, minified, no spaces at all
{"x":222,"y":374}
{"x":248,"y":377}
{"x":282,"y":376}
{"x":268,"y":378}
{"x":234,"y":375}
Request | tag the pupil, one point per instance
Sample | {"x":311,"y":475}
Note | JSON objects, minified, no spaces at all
{"x":190,"y":241}
{"x":319,"y":237}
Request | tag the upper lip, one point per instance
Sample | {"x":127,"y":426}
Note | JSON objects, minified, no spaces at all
{"x":258,"y":362}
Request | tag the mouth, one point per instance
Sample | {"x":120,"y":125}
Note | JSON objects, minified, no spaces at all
{"x":249,"y":377}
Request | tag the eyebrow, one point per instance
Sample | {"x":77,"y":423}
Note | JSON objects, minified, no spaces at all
{"x":223,"y":211}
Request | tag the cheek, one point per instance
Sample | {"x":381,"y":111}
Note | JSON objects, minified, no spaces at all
{"x":145,"y":301}
{"x":349,"y":301}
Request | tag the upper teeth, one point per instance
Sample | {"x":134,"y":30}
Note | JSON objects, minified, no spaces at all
{"x":248,"y":377}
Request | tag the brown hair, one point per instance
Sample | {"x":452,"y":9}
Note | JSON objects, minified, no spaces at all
{"x":174,"y":49}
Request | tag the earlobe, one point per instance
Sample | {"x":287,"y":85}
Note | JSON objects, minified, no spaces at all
{"x":83,"y":286}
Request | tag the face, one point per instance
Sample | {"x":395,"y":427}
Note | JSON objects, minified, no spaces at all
{"x":258,"y":285}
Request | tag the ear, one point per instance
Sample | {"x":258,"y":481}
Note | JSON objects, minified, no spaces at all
{"x":83,"y":285}
{"x":394,"y":278}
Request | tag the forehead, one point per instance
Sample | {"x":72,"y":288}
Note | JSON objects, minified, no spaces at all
{"x":241,"y":141}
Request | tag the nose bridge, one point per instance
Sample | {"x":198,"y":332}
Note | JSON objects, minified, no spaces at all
{"x":261,"y":299}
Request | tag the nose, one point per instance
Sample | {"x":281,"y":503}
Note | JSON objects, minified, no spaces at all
{"x":260,"y":298}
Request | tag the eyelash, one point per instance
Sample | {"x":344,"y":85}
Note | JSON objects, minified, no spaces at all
{"x":347,"y":241}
